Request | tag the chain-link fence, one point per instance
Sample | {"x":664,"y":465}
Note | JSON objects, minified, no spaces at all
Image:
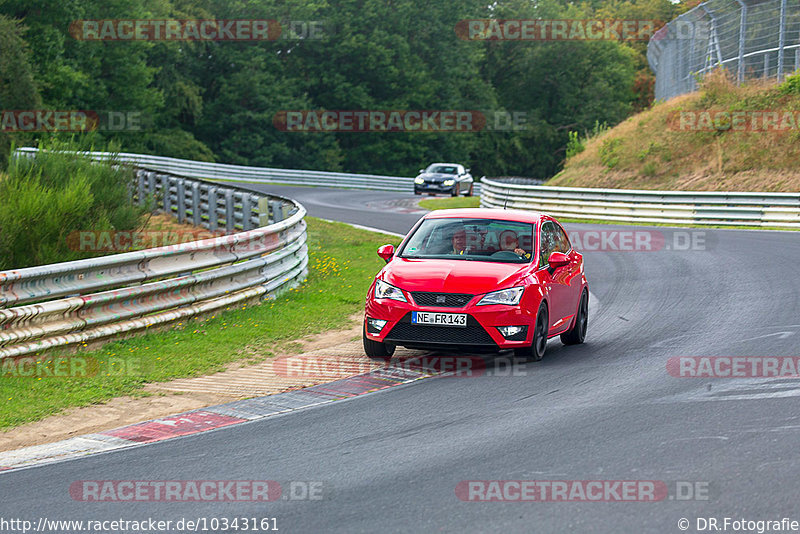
{"x":749,"y":38}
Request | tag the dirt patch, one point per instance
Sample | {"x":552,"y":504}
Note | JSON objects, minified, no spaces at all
{"x":324,"y":358}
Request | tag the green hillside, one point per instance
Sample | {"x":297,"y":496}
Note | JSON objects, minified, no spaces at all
{"x":722,"y":137}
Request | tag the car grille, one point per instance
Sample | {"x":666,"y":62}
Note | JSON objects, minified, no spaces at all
{"x":472,"y":334}
{"x":451,"y":300}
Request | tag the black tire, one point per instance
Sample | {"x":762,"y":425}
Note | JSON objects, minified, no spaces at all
{"x":456,"y":190}
{"x":469,"y":193}
{"x":376,"y":350}
{"x":577,"y":334}
{"x":417,"y":192}
{"x":535,"y":352}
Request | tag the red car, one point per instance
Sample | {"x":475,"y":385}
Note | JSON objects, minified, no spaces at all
{"x":478,"y":280}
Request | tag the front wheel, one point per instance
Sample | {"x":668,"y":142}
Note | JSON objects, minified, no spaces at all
{"x":469,"y":192}
{"x":535,"y":352}
{"x":376,"y":350}
{"x":456,"y":189}
{"x":578,"y":332}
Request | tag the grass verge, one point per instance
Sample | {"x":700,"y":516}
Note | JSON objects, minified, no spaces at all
{"x":449,"y":203}
{"x":342,"y":263}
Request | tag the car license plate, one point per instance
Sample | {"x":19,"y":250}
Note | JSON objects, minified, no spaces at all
{"x":439,"y":319}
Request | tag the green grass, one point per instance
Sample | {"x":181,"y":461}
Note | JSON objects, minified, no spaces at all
{"x":342,"y":263}
{"x":449,"y":203}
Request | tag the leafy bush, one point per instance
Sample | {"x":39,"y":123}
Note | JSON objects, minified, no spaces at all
{"x":48,"y":196}
{"x":609,"y":152}
{"x":790,"y":86}
{"x":574,"y":145}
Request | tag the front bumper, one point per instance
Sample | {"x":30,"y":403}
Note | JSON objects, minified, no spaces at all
{"x":481,"y":331}
{"x":434,"y":188}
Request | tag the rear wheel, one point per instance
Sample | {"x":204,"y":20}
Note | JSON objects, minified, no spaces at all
{"x":377,"y":350}
{"x":578,"y":332}
{"x":535,"y":352}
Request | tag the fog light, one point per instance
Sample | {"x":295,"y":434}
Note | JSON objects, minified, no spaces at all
{"x":374,"y":326}
{"x":516,"y":333}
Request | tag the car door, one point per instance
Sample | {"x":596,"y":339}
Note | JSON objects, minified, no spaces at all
{"x":554,"y":281}
{"x":566,"y":279}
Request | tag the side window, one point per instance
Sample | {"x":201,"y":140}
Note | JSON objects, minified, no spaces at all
{"x":548,"y":240}
{"x":563,"y":241}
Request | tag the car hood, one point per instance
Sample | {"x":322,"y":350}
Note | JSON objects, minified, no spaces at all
{"x":437,"y":177}
{"x":451,"y":276}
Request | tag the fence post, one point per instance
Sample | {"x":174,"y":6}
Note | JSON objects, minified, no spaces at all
{"x":781,"y":40}
{"x":247,"y":212}
{"x":742,"y":28}
{"x":166,"y":192}
{"x":181,"y":192}
{"x":766,"y":64}
{"x":263,"y":211}
{"x":197,"y":217}
{"x":212,"y":209}
{"x":229,"y":220}
{"x":140,"y":187}
{"x":277,"y":210}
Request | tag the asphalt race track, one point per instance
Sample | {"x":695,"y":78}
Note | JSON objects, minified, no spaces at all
{"x":606,"y":410}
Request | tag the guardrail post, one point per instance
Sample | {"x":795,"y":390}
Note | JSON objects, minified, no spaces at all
{"x":277,"y":210}
{"x":263,"y":211}
{"x":181,"y":191}
{"x":247,"y":212}
{"x":229,"y":220}
{"x":212,"y":209}
{"x":197,"y":218}
{"x":140,"y":187}
{"x":166,"y":186}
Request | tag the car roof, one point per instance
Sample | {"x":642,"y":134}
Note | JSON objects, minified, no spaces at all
{"x":451,"y":164}
{"x":484,"y":213}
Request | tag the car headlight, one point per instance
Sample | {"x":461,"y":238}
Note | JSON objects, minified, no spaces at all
{"x":419,"y":180}
{"x":388,"y":291}
{"x":449,"y":182}
{"x":509,"y":297}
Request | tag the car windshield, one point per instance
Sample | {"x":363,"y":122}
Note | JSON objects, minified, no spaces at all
{"x":471,"y":240}
{"x":443,"y":169}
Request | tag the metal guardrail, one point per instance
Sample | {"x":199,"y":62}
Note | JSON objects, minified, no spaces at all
{"x":751,"y":38}
{"x":56,"y":305}
{"x":237,"y":173}
{"x":627,"y":205}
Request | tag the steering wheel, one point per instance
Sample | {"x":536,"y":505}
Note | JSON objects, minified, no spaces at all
{"x":505,"y":255}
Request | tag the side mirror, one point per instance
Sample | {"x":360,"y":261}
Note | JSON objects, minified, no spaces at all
{"x":558,"y":259}
{"x":386,"y":252}
{"x":421,"y":171}
{"x":468,"y":170}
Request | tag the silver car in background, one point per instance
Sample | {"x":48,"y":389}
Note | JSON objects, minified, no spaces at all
{"x":450,"y":178}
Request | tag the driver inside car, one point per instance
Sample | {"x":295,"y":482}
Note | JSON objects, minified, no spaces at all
{"x":510,"y":242}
